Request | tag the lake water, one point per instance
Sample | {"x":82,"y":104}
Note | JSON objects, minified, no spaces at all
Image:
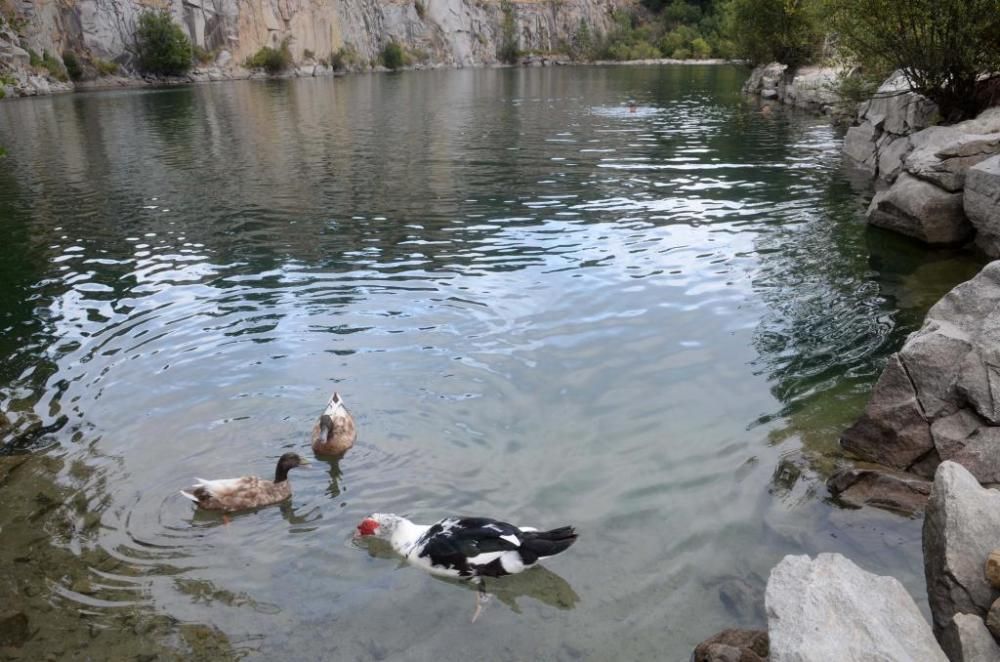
{"x":539,"y":306}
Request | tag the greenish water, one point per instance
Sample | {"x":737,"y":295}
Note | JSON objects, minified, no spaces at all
{"x":540,"y":307}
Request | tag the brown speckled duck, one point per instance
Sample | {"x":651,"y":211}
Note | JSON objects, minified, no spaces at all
{"x":334,"y":433}
{"x":232,"y":494}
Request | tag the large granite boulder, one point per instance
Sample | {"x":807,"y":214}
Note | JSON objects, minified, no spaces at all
{"x":766,"y":81}
{"x":982,"y":203}
{"x":896,"y":109}
{"x":922,"y":210}
{"x":961,"y":527}
{"x":921,"y":176}
{"x":830,"y":609}
{"x":938,"y":397}
{"x":811,"y":88}
{"x":877,"y":145}
{"x":943,"y":154}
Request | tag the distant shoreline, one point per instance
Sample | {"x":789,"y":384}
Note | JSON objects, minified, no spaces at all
{"x":217,"y":74}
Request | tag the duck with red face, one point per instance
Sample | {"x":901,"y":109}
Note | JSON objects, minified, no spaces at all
{"x":470,"y":548}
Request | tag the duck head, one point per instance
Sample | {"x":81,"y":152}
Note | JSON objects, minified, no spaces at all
{"x":334,"y":432}
{"x":285,"y":463}
{"x":380,"y":525}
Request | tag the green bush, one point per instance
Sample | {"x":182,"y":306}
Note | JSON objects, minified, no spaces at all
{"x":786,"y":31}
{"x":104,"y":67}
{"x":161,"y":46}
{"x":700,"y":48}
{"x":681,"y":54}
{"x":582,"y":46}
{"x":271,"y":60}
{"x":202,"y":55}
{"x":72,"y":65}
{"x":393,"y":56}
{"x":345,"y":58}
{"x":508,"y":49}
{"x":941,"y":47}
{"x":50,"y":64}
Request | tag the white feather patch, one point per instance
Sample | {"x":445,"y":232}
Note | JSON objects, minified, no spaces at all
{"x":512,"y":539}
{"x":219,"y":487}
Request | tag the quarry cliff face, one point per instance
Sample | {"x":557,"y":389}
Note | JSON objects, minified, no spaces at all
{"x":452,"y":32}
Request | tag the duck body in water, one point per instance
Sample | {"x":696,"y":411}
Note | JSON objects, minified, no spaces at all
{"x":245,"y":492}
{"x":334,"y":432}
{"x":468,"y":547}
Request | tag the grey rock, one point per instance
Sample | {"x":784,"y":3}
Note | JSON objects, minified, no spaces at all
{"x":993,"y":618}
{"x":859,"y":147}
{"x":891,"y":152}
{"x":952,"y":433}
{"x":932,"y":358}
{"x":830,"y":609}
{"x":882,"y":488}
{"x":892,"y":431}
{"x":982,"y":203}
{"x":943,"y":154}
{"x":981,"y":455}
{"x":968,"y":640}
{"x":961,"y":527}
{"x":897,"y":110}
{"x":979,"y":380}
{"x":733,"y":645}
{"x":921,"y":210}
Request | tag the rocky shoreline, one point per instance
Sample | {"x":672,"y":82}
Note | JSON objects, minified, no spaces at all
{"x":929,"y":439}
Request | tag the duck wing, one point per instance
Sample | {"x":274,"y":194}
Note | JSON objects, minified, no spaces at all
{"x":472,"y":546}
{"x":224,"y":487}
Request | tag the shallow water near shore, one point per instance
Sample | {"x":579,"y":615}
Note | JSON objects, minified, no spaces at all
{"x":539,"y":306}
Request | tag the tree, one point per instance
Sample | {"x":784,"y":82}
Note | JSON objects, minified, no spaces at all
{"x":941,"y":47}
{"x":786,"y":31}
{"x":161,"y":46}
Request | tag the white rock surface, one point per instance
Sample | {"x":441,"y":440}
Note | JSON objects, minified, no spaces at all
{"x":830,"y":609}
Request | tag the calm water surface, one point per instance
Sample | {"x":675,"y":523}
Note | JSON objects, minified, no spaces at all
{"x":539,"y":306}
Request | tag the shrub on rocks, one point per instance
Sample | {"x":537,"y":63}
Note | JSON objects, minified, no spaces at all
{"x":161,"y":47}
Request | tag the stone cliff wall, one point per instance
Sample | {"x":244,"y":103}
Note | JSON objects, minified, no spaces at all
{"x":453,"y":32}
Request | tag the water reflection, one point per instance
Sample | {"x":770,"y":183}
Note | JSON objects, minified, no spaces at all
{"x":549,"y":311}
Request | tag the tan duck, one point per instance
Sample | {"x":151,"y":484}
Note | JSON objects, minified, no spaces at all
{"x":232,"y":494}
{"x":334,"y":432}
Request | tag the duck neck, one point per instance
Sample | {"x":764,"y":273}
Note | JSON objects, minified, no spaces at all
{"x":281,"y":473}
{"x":405,"y":535}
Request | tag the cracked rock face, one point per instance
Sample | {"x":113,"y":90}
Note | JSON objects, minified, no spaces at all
{"x":939,"y":396}
{"x":962,"y":526}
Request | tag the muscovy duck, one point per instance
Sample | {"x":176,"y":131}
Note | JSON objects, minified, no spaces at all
{"x":470,"y":548}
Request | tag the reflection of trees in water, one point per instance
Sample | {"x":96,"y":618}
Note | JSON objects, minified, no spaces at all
{"x":67,"y":595}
